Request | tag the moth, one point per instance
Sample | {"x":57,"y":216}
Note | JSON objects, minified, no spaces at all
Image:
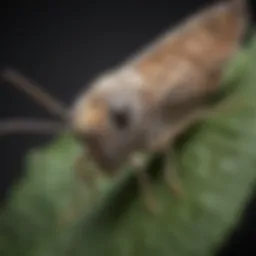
{"x":141,"y":106}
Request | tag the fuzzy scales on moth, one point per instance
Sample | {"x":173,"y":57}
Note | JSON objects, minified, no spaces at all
{"x":145,"y":102}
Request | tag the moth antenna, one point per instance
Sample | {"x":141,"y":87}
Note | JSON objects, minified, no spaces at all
{"x":40,"y":96}
{"x":23,"y":126}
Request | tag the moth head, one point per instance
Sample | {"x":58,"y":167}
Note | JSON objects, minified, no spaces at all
{"x":107,"y":117}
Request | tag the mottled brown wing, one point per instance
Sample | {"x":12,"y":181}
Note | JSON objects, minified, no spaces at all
{"x":189,"y":60}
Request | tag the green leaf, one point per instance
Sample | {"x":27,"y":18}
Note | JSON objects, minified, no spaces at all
{"x":53,"y":212}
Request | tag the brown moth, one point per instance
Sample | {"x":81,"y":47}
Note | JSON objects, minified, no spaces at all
{"x":142,"y":105}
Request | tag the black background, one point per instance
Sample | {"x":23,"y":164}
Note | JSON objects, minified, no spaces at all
{"x":64,"y":45}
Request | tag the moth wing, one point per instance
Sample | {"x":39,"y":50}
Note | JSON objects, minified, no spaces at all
{"x":188,"y":60}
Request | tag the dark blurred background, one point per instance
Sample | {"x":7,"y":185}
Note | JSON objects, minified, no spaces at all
{"x":62,"y":47}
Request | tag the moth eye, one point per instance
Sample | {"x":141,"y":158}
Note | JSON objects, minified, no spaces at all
{"x":120,"y":118}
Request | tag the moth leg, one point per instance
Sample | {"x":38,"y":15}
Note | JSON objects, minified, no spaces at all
{"x":79,"y":166}
{"x":85,"y":172}
{"x":84,"y":169}
{"x":138,"y":162}
{"x":170,"y":172}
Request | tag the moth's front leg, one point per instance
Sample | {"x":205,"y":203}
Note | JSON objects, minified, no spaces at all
{"x":171,"y":164}
{"x":74,"y":208}
{"x":85,"y":169}
{"x":138,"y":162}
{"x":171,"y":172}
